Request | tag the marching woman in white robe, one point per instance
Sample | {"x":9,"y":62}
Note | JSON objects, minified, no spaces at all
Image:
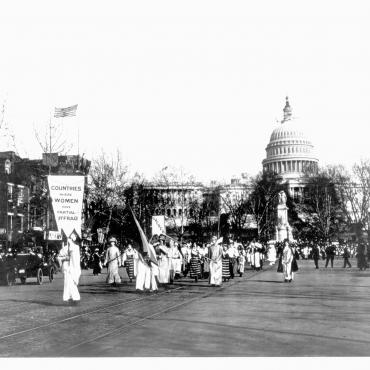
{"x":287,"y":259}
{"x":215,"y":263}
{"x":241,"y":260}
{"x":176,"y":261}
{"x":146,"y":275}
{"x":113,"y":260}
{"x":257,"y":256}
{"x":271,"y":253}
{"x":163,"y":264}
{"x":69,"y":257}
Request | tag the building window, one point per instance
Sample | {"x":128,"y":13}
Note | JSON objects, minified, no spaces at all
{"x":10,"y":191}
{"x":8,"y":167}
{"x":168,"y":212}
{"x":174,"y":212}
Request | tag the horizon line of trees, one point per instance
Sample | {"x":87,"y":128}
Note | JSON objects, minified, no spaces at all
{"x":335,"y":201}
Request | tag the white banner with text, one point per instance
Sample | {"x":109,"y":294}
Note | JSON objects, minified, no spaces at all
{"x":66,"y":193}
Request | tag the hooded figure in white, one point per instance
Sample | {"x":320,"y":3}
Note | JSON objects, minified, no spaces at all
{"x":69,"y":257}
{"x":287,"y":260}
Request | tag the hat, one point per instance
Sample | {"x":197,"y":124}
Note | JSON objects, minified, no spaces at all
{"x":112,"y":239}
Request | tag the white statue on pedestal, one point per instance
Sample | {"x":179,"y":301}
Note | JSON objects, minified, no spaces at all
{"x":283,"y":229}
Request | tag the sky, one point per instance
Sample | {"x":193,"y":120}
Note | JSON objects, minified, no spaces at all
{"x":192,"y":84}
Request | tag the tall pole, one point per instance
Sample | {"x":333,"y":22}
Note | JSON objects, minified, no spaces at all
{"x":219,"y":215}
{"x":182,"y":207}
{"x":48,"y":194}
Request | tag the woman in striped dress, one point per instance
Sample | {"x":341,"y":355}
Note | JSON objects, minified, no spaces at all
{"x":225,"y":264}
{"x":129,"y":259}
{"x":194,"y":262}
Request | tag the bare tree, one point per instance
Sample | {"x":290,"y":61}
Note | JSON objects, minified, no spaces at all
{"x":6,"y":134}
{"x":354,"y":192}
{"x":262,"y":201}
{"x":108,"y":177}
{"x":234,"y":203}
{"x":51,"y":138}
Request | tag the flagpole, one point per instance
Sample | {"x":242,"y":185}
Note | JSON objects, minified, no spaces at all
{"x":48,"y":193}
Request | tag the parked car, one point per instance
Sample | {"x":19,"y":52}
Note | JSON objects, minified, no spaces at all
{"x":24,"y":265}
{"x":33,"y":265}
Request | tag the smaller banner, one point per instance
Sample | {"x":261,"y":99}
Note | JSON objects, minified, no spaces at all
{"x":158,"y":225}
{"x":66,"y":194}
{"x":52,"y":235}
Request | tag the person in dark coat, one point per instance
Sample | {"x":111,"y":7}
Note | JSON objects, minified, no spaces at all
{"x":361,"y":256}
{"x":96,"y":263}
{"x":330,"y":254}
{"x":346,"y":256}
{"x":316,"y":255}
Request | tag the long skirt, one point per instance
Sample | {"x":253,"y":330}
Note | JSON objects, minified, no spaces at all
{"x":287,"y":273}
{"x":164,"y":270}
{"x":215,"y":272}
{"x":130,"y":267}
{"x":176,"y":265}
{"x":145,"y":278}
{"x":257,"y":260}
{"x":233,"y":267}
{"x":113,"y":276}
{"x":361,"y":261}
{"x":143,"y":275}
{"x":206,"y":266}
{"x":96,"y":265}
{"x":241,"y":263}
{"x":194,"y":267}
{"x":226,"y":268}
{"x":70,"y":288}
{"x":205,"y":269}
{"x":272,"y":255}
{"x":184,"y":267}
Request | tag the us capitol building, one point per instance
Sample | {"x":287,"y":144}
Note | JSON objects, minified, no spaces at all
{"x":290,"y":154}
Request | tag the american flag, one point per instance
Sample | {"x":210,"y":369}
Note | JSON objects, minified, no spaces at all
{"x":65,"y":112}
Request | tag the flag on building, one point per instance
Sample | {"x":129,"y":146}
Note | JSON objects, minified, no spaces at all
{"x":65,"y":112}
{"x":145,"y":246}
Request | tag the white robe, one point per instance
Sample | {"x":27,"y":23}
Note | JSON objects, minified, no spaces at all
{"x":145,"y":278}
{"x":176,"y":260}
{"x":257,"y":258}
{"x":69,"y":257}
{"x":163,"y":265}
{"x":272,"y":254}
{"x":215,"y":265}
{"x":287,"y":260}
{"x":113,"y":259}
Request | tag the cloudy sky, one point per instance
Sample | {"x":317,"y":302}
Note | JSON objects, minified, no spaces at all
{"x":198,"y":84}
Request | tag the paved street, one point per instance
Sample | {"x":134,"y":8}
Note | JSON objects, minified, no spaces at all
{"x":323,"y":312}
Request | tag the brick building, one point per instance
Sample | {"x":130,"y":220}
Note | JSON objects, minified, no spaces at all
{"x":23,"y":190}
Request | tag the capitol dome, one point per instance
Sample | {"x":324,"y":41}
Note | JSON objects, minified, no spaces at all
{"x":289,"y":153}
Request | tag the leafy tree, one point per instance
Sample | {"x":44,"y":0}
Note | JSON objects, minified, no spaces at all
{"x":262,"y":201}
{"x":108,"y":180}
{"x":320,"y":209}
